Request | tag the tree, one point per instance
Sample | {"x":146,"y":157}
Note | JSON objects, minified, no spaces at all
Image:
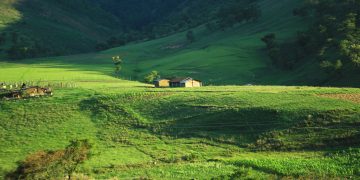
{"x":117,"y":63}
{"x":101,"y":46}
{"x":190,"y":36}
{"x":53,"y":164}
{"x":334,"y":34}
{"x":273,"y":50}
{"x":14,"y":37}
{"x":301,"y":11}
{"x":2,"y":38}
{"x":332,"y":67}
{"x":338,"y":65}
{"x":153,"y":75}
{"x":74,"y":155}
{"x":351,"y":50}
{"x":237,"y":12}
{"x":20,"y":52}
{"x":112,"y":42}
{"x":269,"y":40}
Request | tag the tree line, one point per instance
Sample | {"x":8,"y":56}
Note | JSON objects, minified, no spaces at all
{"x":140,"y":20}
{"x":333,"y":40}
{"x":217,"y":15}
{"x":18,"y":46}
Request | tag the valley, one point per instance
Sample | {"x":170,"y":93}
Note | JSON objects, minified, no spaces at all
{"x":250,"y":120}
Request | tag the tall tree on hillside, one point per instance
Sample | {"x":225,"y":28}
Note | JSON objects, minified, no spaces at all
{"x":14,"y":37}
{"x":117,"y":63}
{"x":153,"y":75}
{"x":335,"y":34}
{"x":2,"y":38}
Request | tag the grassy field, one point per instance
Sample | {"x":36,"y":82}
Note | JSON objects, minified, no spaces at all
{"x":219,"y":132}
{"x":210,"y":132}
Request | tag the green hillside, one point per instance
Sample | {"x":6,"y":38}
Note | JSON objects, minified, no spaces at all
{"x":213,"y":132}
{"x":233,"y":56}
{"x":56,"y":27}
{"x":35,"y":28}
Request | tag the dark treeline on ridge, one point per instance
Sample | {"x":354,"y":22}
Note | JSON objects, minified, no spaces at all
{"x":159,"y":18}
{"x":332,"y":41}
{"x":57,"y":27}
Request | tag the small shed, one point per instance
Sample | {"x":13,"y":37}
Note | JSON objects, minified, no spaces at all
{"x":185,"y":82}
{"x":162,"y":83}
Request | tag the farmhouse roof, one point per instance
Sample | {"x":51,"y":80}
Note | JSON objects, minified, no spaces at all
{"x":157,"y":80}
{"x":180,"y":79}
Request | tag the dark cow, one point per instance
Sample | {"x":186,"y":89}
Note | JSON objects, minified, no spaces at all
{"x":12,"y":95}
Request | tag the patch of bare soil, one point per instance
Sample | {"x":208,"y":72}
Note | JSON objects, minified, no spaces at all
{"x":348,"y":97}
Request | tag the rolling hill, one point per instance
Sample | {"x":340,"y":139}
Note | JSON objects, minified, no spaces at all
{"x":233,"y":56}
{"x":214,"y":132}
{"x":58,"y":27}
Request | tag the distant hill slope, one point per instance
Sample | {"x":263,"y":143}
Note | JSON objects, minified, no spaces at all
{"x":59,"y":27}
{"x":233,"y":56}
{"x":33,"y":28}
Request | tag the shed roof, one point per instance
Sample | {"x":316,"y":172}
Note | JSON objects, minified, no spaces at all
{"x":180,"y":79}
{"x":157,"y":80}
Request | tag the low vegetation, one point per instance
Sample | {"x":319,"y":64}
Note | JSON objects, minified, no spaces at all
{"x":53,"y":164}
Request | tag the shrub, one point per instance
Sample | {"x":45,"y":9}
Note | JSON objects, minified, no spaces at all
{"x":53,"y":164}
{"x":190,"y":157}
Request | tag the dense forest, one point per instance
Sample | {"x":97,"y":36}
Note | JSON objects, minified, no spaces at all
{"x":57,"y":27}
{"x":333,"y":39}
{"x":159,"y":18}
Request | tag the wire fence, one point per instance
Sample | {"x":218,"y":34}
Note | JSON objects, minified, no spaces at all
{"x":52,"y":84}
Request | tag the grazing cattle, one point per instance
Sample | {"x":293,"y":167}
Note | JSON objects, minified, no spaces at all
{"x":37,"y":91}
{"x":12,"y":95}
{"x":15,"y":95}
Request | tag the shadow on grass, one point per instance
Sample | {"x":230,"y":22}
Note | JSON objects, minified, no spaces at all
{"x":238,"y":127}
{"x":258,"y":128}
{"x":229,"y":126}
